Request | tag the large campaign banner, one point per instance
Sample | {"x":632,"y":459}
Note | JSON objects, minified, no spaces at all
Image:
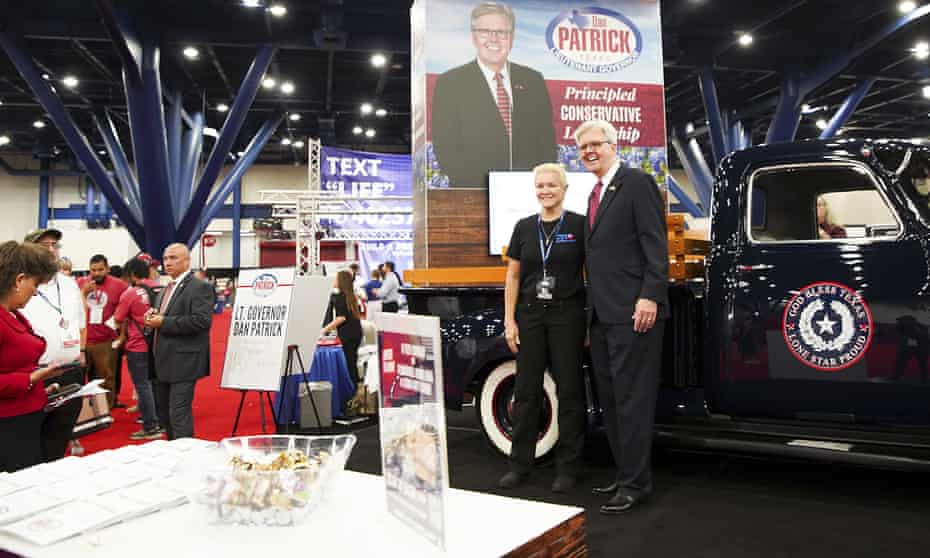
{"x":499,"y":99}
{"x":361,"y":174}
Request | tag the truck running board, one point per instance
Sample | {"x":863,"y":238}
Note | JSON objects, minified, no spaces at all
{"x":865,"y":454}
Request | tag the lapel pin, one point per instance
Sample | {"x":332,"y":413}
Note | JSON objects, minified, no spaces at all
{"x":611,"y":188}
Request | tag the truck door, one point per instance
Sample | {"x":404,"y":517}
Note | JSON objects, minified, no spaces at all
{"x":830,"y":318}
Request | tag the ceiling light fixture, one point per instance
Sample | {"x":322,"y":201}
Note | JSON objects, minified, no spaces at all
{"x":211,"y":132}
{"x":269,"y":83}
{"x":38,"y":124}
{"x":240,"y":153}
{"x":907,"y":6}
{"x":927,"y":91}
{"x":921,"y":50}
{"x":821,"y":124}
{"x":357,"y":130}
{"x":366,"y":108}
{"x":222,"y":107}
{"x":286,"y":141}
{"x":45,"y":77}
{"x":378,"y":60}
{"x":370,"y":133}
{"x":4,"y":140}
{"x":745,"y":39}
{"x":299,"y":144}
{"x":294,"y":117}
{"x":278,"y":10}
{"x":689,"y":128}
{"x":191,"y":53}
{"x":287,"y":88}
{"x":101,"y":152}
{"x":380,"y":113}
{"x":70,"y":81}
{"x":252,"y":3}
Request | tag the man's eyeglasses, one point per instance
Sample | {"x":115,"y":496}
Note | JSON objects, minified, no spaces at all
{"x":51,"y":244}
{"x":591,"y":146}
{"x":496,"y":33}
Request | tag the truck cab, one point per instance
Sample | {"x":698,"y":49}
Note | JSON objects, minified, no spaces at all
{"x":806,"y":333}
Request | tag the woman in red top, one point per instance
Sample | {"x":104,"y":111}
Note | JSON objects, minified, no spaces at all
{"x":22,"y":393}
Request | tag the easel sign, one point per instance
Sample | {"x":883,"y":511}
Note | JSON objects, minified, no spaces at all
{"x":272,"y":311}
{"x":414,"y":454}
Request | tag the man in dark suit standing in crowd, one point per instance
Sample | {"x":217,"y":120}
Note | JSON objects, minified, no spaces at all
{"x":181,"y":346}
{"x":491,"y":114}
{"x":627,"y":263}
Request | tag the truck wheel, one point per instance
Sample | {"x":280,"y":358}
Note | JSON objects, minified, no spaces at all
{"x":495,"y":410}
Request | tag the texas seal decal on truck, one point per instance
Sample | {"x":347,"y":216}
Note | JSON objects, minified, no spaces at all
{"x":595,"y":40}
{"x":827,"y":326}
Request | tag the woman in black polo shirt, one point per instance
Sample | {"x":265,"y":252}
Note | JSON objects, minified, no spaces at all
{"x":544,"y":317}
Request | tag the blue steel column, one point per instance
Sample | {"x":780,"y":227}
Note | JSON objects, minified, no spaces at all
{"x":237,"y":225}
{"x":121,"y":167}
{"x":848,"y":107}
{"x":90,"y":201}
{"x":147,"y":119}
{"x":76,"y":140}
{"x":175,"y":164}
{"x":788,"y":113}
{"x":248,"y":158}
{"x":234,"y":120}
{"x":43,"y":194}
{"x":695,"y":166}
{"x":714,"y":118}
{"x":191,"y":148}
{"x":683,"y":197}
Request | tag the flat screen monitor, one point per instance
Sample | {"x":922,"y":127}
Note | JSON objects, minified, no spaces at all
{"x":512,"y":196}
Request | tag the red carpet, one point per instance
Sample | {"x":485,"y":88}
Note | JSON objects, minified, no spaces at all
{"x":214,"y":408}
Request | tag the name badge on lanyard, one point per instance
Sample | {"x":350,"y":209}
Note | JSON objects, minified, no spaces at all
{"x":546,"y":285}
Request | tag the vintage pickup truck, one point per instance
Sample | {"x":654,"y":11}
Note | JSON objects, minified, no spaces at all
{"x":794,"y":339}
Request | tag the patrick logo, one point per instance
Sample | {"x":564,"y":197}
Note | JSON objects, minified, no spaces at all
{"x":827,"y":326}
{"x":264,"y":285}
{"x":595,"y":40}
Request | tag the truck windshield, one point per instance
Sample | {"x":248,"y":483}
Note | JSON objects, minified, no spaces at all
{"x":914,"y":178}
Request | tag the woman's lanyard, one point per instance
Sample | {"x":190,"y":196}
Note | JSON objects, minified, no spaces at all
{"x":545,"y":246}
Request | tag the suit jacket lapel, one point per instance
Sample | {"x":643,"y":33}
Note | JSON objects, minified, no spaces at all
{"x":612,"y":190}
{"x":177,"y":291}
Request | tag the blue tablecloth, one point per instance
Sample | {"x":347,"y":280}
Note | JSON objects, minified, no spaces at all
{"x":329,"y":365}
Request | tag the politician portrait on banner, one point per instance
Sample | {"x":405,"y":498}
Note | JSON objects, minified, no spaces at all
{"x":508,"y":83}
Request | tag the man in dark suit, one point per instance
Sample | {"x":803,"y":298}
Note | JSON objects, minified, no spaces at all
{"x":181,"y":346}
{"x":627,"y":264}
{"x":491,"y":114}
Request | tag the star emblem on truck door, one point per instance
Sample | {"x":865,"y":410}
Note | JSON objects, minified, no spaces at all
{"x":826,"y":324}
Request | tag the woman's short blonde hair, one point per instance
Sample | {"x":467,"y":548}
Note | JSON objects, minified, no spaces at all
{"x":555,"y":168}
{"x":828,"y":218}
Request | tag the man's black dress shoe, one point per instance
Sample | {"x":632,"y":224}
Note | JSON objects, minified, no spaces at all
{"x":621,"y":503}
{"x":512,"y":480}
{"x":609,"y":489}
{"x":563,"y":483}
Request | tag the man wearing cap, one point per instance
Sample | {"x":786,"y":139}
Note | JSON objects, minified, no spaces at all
{"x":56,"y":313}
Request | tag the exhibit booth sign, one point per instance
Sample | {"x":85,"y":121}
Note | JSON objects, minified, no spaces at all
{"x":503,"y":86}
{"x":273,"y":310}
{"x":414,"y":454}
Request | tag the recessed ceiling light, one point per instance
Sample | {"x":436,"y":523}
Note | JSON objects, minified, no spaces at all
{"x":286,"y":141}
{"x":745,"y":39}
{"x":70,"y":81}
{"x":298,"y":144}
{"x":381,"y":113}
{"x":269,"y":83}
{"x":278,"y":10}
{"x":191,"y":53}
{"x":294,"y":117}
{"x":689,"y":128}
{"x":222,"y":107}
{"x":370,"y":133}
{"x":366,"y":108}
{"x":4,"y":140}
{"x":821,"y":124}
{"x":39,"y":124}
{"x":252,"y":3}
{"x":240,"y":153}
{"x":840,"y":132}
{"x":378,"y":60}
{"x":921,"y":50}
{"x":1,"y":102}
{"x":907,"y":6}
{"x":101,"y":152}
{"x":211,"y":132}
{"x":357,"y":130}
{"x":45,"y":77}
{"x":287,"y":88}
{"x":927,"y":91}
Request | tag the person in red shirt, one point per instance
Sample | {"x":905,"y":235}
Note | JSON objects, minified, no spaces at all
{"x":23,"y":267}
{"x":133,"y":304}
{"x":101,"y":295}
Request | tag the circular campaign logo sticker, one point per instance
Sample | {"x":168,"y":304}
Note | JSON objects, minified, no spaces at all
{"x":264,"y":285}
{"x":595,"y":40}
{"x":827,"y":326}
